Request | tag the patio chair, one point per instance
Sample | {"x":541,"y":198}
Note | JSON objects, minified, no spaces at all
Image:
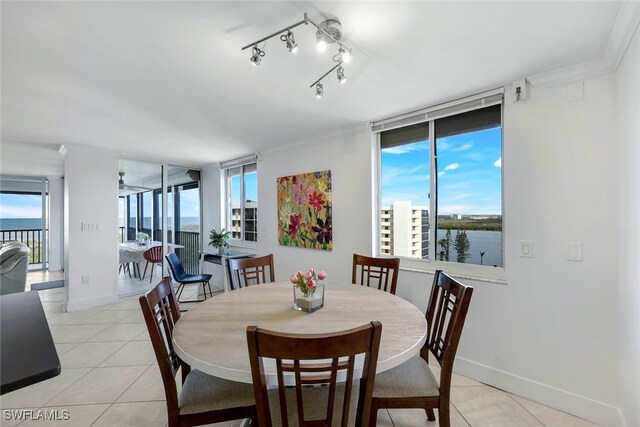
{"x":180,"y":276}
{"x":412,"y":384}
{"x":153,"y":256}
{"x":306,"y":357}
{"x":204,"y":399}
{"x":381,"y":273}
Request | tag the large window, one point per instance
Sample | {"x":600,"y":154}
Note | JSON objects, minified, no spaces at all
{"x":441,"y":185}
{"x":242,"y":202}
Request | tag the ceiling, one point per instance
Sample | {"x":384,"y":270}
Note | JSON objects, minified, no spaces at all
{"x":167,"y":81}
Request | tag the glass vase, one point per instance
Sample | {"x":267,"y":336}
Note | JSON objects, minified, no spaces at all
{"x":312,"y":301}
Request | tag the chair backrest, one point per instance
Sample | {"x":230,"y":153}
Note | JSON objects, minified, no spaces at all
{"x":175,"y":266}
{"x":161,"y":312}
{"x":290,"y":351}
{"x":153,"y":254}
{"x":250,"y":271}
{"x":381,"y":273}
{"x":446,"y":313}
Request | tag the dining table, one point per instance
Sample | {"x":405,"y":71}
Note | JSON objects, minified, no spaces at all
{"x":211,"y":337}
{"x":133,"y":252}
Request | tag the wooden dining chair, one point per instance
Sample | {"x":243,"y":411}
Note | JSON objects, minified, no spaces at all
{"x":250,"y":271}
{"x":381,"y":273}
{"x":412,"y":384}
{"x":153,"y":256}
{"x":312,"y":360}
{"x":204,"y":399}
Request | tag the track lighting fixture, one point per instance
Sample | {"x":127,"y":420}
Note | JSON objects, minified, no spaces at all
{"x":345,"y":55}
{"x":290,"y":41}
{"x":341,"y":78}
{"x":321,"y":45}
{"x":329,"y":31}
{"x":257,"y":55}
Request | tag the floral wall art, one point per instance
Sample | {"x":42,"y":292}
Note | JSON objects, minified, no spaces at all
{"x":304,"y":210}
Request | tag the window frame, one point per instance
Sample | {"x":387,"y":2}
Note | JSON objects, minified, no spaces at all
{"x":228,"y":214}
{"x":432,"y":263}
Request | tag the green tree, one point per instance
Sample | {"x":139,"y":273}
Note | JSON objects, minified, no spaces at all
{"x":462,"y":246}
{"x":445,"y":245}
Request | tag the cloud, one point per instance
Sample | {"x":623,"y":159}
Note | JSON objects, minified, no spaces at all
{"x":20,"y":212}
{"x":498,"y":163}
{"x":404,"y":149}
{"x":441,"y":173}
{"x":452,"y":167}
{"x":464,"y":147}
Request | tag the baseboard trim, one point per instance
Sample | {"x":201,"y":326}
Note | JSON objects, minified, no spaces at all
{"x":86,"y":303}
{"x":598,"y":412}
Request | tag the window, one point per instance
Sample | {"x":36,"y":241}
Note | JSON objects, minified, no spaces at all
{"x":441,"y":183}
{"x":242,"y":202}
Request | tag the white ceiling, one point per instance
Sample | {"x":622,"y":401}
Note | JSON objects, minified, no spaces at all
{"x":168,"y":80}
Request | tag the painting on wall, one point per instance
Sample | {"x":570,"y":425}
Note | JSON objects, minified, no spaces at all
{"x":304,"y":210}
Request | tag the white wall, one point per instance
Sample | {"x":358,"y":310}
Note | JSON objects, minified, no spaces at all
{"x":91,"y":194}
{"x":628,"y":162}
{"x":347,"y":154}
{"x":550,"y":333}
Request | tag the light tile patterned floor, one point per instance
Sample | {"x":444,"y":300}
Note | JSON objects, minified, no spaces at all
{"x":110,"y":378}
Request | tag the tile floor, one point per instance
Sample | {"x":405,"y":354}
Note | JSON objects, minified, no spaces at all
{"x":110,"y":378}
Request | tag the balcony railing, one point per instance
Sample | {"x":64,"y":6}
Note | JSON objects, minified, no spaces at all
{"x":31,"y":237}
{"x":190,"y":255}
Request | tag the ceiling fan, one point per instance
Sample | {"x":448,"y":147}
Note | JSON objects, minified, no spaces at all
{"x":126,"y":190}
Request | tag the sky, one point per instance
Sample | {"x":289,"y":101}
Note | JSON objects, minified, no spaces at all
{"x":20,"y":206}
{"x":250,"y":188}
{"x":469,"y":173}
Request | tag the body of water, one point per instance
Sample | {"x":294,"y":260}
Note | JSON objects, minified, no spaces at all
{"x":489,"y":242}
{"x":20,"y":223}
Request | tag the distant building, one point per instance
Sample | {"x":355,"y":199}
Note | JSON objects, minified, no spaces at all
{"x":404,"y":230}
{"x":250,"y":221}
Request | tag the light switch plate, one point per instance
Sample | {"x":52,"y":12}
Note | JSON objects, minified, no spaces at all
{"x":526,"y":249}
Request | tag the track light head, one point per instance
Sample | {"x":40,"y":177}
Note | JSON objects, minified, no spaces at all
{"x":345,"y":55}
{"x":341,"y":77}
{"x":290,"y":41}
{"x":256,"y":56}
{"x":321,"y":44}
{"x":319,"y":91}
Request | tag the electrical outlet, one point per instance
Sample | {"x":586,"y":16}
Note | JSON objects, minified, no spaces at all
{"x":574,"y":251}
{"x":86,"y":279}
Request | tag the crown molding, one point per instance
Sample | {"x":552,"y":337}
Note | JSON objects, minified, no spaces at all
{"x":623,"y":30}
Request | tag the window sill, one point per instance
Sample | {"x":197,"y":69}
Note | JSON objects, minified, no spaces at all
{"x":243,"y":244}
{"x":478,"y":273}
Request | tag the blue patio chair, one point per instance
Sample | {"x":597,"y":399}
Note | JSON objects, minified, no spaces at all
{"x":180,"y":276}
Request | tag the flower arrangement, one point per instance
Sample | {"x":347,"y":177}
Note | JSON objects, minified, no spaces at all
{"x":307,"y":282}
{"x":142,"y":238}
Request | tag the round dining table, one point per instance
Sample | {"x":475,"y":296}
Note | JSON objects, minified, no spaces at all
{"x":211,"y":337}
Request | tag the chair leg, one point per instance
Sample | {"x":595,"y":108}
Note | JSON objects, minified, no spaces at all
{"x":153,"y":266}
{"x":209,"y":286}
{"x":443,"y":414}
{"x":204,"y":291}
{"x":431,"y":416}
{"x":145,"y":270}
{"x":180,"y":288}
